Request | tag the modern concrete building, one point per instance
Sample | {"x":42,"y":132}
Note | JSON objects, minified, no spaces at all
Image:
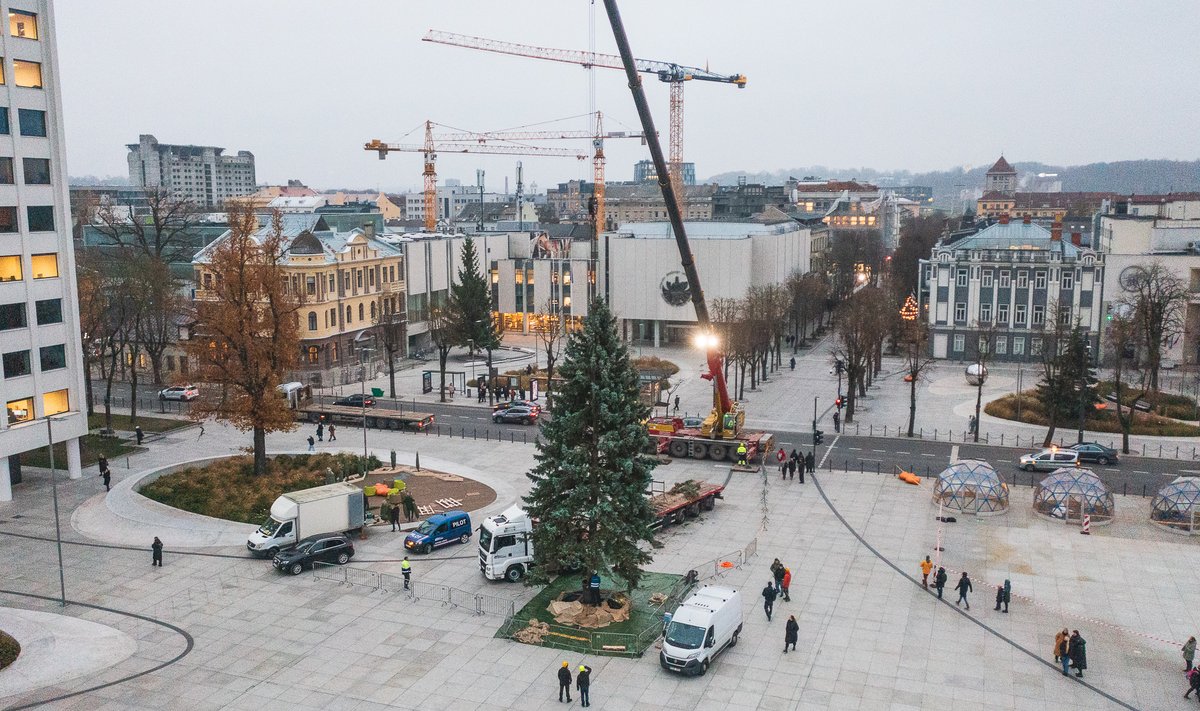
{"x":1017,"y":275}
{"x":202,"y":174}
{"x":644,"y":172}
{"x":41,"y":381}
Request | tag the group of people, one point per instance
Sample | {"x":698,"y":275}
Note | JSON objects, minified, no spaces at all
{"x":312,"y":443}
{"x":1003,"y":592}
{"x":790,"y":464}
{"x":779,"y":586}
{"x":1070,"y":649}
{"x":583,"y":683}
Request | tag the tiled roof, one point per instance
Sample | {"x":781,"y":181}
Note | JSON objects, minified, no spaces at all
{"x":1014,"y":236}
{"x":1002,"y":166}
{"x":1168,"y":197}
{"x":836,"y":186}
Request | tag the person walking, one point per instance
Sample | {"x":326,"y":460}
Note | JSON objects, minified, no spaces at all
{"x":156,"y":548}
{"x":926,"y":567}
{"x":1007,"y":594}
{"x":795,"y":457}
{"x":791,"y":467}
{"x":1193,"y":678}
{"x":769,"y":595}
{"x":410,"y":507}
{"x":312,"y":445}
{"x":809,"y":460}
{"x":791,"y":632}
{"x":1077,"y":651}
{"x":676,"y":404}
{"x":793,"y":363}
{"x":394,"y":516}
{"x":1189,"y":653}
{"x":939,"y":581}
{"x":583,"y":682}
{"x":837,"y":421}
{"x":405,"y":570}
{"x":963,"y":587}
{"x":137,"y":432}
{"x":105,"y":474}
{"x":564,"y":682}
{"x":783,"y":469}
{"x":320,"y":431}
{"x":999,"y":597}
{"x":1060,"y":648}
{"x":799,"y":464}
{"x":332,"y":433}
{"x":777,"y":573}
{"x":787,"y":583}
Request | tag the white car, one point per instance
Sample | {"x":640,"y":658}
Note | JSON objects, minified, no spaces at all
{"x":179,"y":392}
{"x":1050,"y":459}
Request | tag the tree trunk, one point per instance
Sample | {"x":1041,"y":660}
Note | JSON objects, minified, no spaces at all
{"x":260,"y":451}
{"x":391,"y":356}
{"x":978,"y":403}
{"x":108,"y":386}
{"x":1050,"y":429}
{"x":490,"y":385}
{"x":912,"y":402}
{"x":87,"y":382}
{"x":133,"y":383}
{"x":549,"y":382}
{"x":443,"y":354}
{"x":155,"y":366}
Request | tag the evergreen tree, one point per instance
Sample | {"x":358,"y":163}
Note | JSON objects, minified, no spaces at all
{"x":470,"y":309}
{"x":590,"y":481}
{"x":1067,"y":389}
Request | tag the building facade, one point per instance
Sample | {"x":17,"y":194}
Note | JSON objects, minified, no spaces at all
{"x":201,"y":174}
{"x":42,"y":373}
{"x":1017,"y":275}
{"x":644,"y":172}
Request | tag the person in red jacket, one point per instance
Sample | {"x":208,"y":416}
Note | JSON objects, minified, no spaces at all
{"x":787,"y":583}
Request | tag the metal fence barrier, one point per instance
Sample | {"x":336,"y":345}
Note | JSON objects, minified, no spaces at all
{"x":417,"y":590}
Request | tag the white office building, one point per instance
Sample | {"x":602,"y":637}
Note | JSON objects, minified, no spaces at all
{"x":42,"y":374}
{"x":202,"y":174}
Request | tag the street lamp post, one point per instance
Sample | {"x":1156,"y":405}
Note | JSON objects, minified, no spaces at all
{"x":471,"y":353}
{"x":362,"y":362}
{"x":62,"y":580}
{"x":909,"y":312}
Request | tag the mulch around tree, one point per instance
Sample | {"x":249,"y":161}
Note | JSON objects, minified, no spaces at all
{"x":428,"y":486}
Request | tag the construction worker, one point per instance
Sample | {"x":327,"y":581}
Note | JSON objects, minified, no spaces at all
{"x":405,"y":570}
{"x":564,"y":682}
{"x":741,"y":452}
{"x":583,"y":682}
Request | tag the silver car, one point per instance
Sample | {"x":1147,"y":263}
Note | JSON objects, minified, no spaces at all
{"x":1050,"y":459}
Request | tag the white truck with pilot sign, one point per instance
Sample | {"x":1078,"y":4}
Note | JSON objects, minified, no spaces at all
{"x":505,"y":546}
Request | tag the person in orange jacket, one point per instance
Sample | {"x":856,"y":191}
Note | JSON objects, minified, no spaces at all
{"x":926,"y":567}
{"x":787,"y":583}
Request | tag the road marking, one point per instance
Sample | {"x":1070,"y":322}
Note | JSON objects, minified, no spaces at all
{"x":954,"y":454}
{"x":1135,"y":471}
{"x":1185,"y":471}
{"x":898,"y":452}
{"x":1006,"y":461}
{"x":923,"y":454}
{"x":869,"y":459}
{"x":882,"y":451}
{"x":1117,"y":470}
{"x":854,"y":449}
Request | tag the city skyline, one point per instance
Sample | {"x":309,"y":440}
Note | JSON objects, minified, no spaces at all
{"x":912,"y":88}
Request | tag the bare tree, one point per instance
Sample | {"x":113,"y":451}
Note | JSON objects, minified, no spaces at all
{"x":163,"y":232}
{"x":725,"y":314}
{"x":915,"y":334}
{"x":1121,"y":355}
{"x":391,"y":330}
{"x":444,"y":336}
{"x":1159,"y":298}
{"x":550,"y":335}
{"x":985,"y":348}
{"x":853,"y":343}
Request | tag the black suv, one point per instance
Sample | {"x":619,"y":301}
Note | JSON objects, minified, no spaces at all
{"x":1098,"y":453}
{"x":325,"y":548}
{"x":356,"y":401}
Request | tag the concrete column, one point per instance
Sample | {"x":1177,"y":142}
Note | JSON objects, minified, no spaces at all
{"x":74,"y":465}
{"x":657,"y":332}
{"x":5,"y":484}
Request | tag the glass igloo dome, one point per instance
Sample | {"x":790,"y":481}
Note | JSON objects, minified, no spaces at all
{"x":1177,"y":505}
{"x":1071,"y":493}
{"x":971,"y":486}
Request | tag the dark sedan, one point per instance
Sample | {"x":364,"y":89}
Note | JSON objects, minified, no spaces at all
{"x":1098,"y":453}
{"x":325,"y":548}
{"x":517,"y":403}
{"x":356,"y":401}
{"x":522,"y":415}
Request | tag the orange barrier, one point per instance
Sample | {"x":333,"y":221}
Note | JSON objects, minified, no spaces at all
{"x":908,"y":478}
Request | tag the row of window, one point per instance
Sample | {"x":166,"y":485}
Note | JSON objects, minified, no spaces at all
{"x":21,"y":409}
{"x":17,"y":363}
{"x":48,"y":311}
{"x":389,"y":306}
{"x":1039,"y":279}
{"x":31,"y":122}
{"x":35,"y":171}
{"x":26,"y":74}
{"x":1001,"y":345}
{"x":39,"y":218}
{"x":1020,"y":312}
{"x":42,"y":266}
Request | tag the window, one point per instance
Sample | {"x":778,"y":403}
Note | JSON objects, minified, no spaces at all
{"x":358,"y":282}
{"x":44,"y":266}
{"x":987,"y":278}
{"x":360,"y":312}
{"x":1039,"y":279}
{"x":32,"y":122}
{"x":1022,"y":310}
{"x":960,"y":343}
{"x":55,"y":402}
{"x":41,"y":218}
{"x":1002,"y":314}
{"x":8,"y":219}
{"x":960,"y":312}
{"x":1035,"y":346}
{"x":312,"y":320}
{"x":960,"y":279}
{"x":1022,"y":279}
{"x":49,"y":311}
{"x":313,"y":354}
{"x":22,"y":24}
{"x":985,"y":312}
{"x":37,"y":171}
{"x":1004,"y":278}
{"x":1019,"y":345}
{"x":12,"y":316}
{"x":1068,"y":280}
{"x":372,"y":310}
{"x":1039,"y":315}
{"x":16,"y":364}
{"x":6,"y":171}
{"x":4,"y":129}
{"x":53,"y":357}
{"x":27,"y":74}
{"x":1064,"y":315}
{"x":310,"y":286}
{"x":1001,"y":345}
{"x":349,"y":314}
{"x":19,"y":410}
{"x":10,"y":269}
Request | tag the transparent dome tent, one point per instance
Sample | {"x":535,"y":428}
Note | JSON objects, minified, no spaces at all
{"x":1176,"y":506}
{"x":971,"y":486}
{"x":1070,"y":493}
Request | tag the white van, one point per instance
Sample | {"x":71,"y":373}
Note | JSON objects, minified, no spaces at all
{"x":700,"y":629}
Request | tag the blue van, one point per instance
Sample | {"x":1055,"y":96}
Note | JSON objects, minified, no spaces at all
{"x":438,"y":530}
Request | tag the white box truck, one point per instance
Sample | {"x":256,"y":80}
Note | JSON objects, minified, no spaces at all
{"x":333,"y":508}
{"x":505,"y":546}
{"x":701,"y":628}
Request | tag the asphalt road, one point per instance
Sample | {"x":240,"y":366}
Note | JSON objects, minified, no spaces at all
{"x":871,"y":455}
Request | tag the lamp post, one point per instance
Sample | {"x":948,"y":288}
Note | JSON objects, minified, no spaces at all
{"x":62,"y":581}
{"x":908,"y":313}
{"x":471,"y":353}
{"x":362,"y":363}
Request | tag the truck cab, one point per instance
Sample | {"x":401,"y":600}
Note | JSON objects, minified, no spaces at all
{"x":505,"y":545}
{"x":706,"y":623}
{"x":272,"y":537}
{"x":439,"y":530}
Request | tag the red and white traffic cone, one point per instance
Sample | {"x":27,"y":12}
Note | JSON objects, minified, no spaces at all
{"x":1087,"y":525}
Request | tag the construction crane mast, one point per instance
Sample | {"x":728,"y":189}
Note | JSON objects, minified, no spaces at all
{"x":669,"y":72}
{"x":434,"y":145}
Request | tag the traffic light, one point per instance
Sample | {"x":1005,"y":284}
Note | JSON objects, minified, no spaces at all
{"x":818,"y":436}
{"x":838,"y":403}
{"x":838,"y":366}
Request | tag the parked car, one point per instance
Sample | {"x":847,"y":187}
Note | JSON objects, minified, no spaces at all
{"x":1098,"y":453}
{"x":325,"y":548}
{"x":439,"y":530}
{"x":1050,"y":459}
{"x":521,"y":415}
{"x":517,"y":403}
{"x":356,"y":401}
{"x":179,"y":392}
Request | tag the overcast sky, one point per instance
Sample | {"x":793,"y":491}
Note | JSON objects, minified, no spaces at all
{"x":890,"y":85}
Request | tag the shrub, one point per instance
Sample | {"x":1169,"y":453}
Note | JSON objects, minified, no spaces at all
{"x":1096,"y":421}
{"x":655,"y":364}
{"x":10,"y":649}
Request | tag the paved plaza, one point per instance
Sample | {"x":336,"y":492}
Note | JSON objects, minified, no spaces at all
{"x":224,"y":631}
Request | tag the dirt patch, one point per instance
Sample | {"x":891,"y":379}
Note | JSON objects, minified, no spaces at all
{"x":434,"y":491}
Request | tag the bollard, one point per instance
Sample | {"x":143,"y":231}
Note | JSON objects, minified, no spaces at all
{"x":870,"y":431}
{"x":1143,"y":449}
{"x":1125,"y":489}
{"x":877,"y":467}
{"x":861,"y":470}
{"x":418,"y":461}
{"x":1177,"y":451}
{"x":934,"y":434}
{"x":1001,"y":439}
{"x":1143,"y":491}
{"x":393,"y":459}
{"x":1160,"y":451}
{"x":474,"y":433}
{"x":511,"y":438}
{"x":846,"y":465}
{"x":487,"y":435}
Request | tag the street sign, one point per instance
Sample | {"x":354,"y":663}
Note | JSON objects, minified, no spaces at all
{"x":377,"y":392}
{"x":533,"y":389}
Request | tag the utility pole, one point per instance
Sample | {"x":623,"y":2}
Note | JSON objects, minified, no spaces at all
{"x":479,"y":182}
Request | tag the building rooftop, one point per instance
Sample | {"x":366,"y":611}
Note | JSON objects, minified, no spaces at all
{"x":836,"y":186}
{"x":1020,"y":236}
{"x":703,"y":230}
{"x":1001,"y":166}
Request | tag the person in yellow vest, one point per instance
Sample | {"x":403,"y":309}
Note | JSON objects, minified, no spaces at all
{"x":926,"y":567}
{"x":741,"y":452}
{"x":405,"y":570}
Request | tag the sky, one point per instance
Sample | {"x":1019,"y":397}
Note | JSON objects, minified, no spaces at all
{"x":890,"y":85}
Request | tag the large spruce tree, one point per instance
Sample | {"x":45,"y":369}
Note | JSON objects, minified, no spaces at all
{"x":470,"y":309}
{"x":590,"y":480}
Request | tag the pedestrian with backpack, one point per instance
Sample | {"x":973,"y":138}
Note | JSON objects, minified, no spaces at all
{"x":939,"y":581}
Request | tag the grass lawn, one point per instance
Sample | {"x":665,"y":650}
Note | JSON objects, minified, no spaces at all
{"x":1097,"y":420}
{"x":229,"y":489}
{"x":642,"y":615}
{"x":91,"y":446}
{"x":149,"y":424}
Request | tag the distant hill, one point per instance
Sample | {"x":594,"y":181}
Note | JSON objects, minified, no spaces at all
{"x":1129,"y":176}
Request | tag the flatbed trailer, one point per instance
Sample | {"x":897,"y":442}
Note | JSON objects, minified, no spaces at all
{"x":673,"y":506}
{"x":688,"y":442}
{"x":376,"y":418}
